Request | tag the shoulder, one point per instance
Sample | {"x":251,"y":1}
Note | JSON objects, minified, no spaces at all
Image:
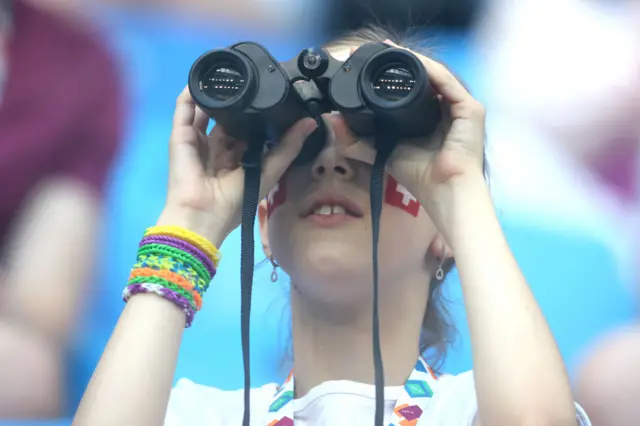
{"x":194,"y":405}
{"x":455,"y":403}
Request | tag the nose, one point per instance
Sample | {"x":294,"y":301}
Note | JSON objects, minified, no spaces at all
{"x":331,"y":162}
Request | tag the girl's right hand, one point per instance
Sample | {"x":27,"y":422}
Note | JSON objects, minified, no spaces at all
{"x":206,"y":180}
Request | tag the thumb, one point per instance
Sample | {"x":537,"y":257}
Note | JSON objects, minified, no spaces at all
{"x":279,"y":158}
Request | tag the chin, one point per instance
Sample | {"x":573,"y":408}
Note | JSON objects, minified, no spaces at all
{"x":332,"y":258}
{"x":331,"y":271}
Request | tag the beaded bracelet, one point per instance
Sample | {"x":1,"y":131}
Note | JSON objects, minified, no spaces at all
{"x":176,"y":264}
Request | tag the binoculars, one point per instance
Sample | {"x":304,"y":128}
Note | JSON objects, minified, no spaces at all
{"x":379,"y":90}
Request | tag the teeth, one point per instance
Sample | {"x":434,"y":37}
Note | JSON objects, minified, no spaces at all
{"x":329,"y":210}
{"x":324,"y":210}
{"x":339,"y":210}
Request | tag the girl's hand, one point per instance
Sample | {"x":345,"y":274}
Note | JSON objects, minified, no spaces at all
{"x":206,"y":180}
{"x":432,"y":169}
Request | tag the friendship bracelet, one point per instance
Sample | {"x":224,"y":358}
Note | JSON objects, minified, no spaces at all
{"x":167,"y":284}
{"x":163,"y":292}
{"x":176,"y":264}
{"x":185,"y":258}
{"x":190,"y":237}
{"x":181,"y":245}
{"x":170,"y":277}
{"x":161,"y":262}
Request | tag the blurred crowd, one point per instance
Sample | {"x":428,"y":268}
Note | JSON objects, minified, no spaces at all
{"x":86,"y":92}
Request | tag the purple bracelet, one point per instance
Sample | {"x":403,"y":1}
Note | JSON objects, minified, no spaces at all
{"x":166,"y":293}
{"x":181,"y":245}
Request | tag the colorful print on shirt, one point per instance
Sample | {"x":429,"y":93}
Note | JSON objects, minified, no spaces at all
{"x":416,"y":394}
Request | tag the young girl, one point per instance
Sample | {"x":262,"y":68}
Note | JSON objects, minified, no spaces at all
{"x":315,"y":225}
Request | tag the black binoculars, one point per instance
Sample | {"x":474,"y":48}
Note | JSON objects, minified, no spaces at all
{"x":379,"y":90}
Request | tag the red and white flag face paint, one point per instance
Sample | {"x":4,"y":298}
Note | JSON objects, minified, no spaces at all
{"x":398,"y":196}
{"x":277,"y":196}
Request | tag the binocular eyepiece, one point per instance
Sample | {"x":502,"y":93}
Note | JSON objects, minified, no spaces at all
{"x":379,"y":90}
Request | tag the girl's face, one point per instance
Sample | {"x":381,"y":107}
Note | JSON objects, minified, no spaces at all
{"x":317,"y":226}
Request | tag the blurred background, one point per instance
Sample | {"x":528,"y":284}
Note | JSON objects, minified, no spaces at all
{"x":87,"y":91}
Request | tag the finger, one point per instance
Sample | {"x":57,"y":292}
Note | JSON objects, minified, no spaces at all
{"x":225,"y":151}
{"x":441,"y":78}
{"x":185,"y":152}
{"x":201,"y":120}
{"x":229,"y":158}
{"x":447,"y":118}
{"x":341,"y":131}
{"x":219,"y":142}
{"x":185,"y":140}
{"x":216,"y":141}
{"x":185,"y":111}
{"x":186,"y":145}
{"x":351,"y":146}
{"x":280,"y":157}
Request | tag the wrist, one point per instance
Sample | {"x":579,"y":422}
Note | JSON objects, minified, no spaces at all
{"x":203,"y":224}
{"x":469,"y":203}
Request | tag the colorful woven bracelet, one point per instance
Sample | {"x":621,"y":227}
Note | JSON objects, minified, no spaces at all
{"x":181,"y":245}
{"x":172,"y":258}
{"x":176,"y":264}
{"x":170,"y":280}
{"x":166,"y":257}
{"x":190,"y":237}
{"x":164,"y":292}
{"x":161,"y":262}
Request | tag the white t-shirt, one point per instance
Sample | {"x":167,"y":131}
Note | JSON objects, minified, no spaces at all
{"x":331,"y":403}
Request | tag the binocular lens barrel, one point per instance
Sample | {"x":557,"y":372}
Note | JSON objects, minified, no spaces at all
{"x":393,"y":82}
{"x":222,"y":81}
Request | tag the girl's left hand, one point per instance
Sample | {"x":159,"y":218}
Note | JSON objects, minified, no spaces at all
{"x":431,"y":169}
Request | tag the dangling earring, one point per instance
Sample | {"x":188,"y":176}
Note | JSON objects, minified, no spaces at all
{"x":274,"y":273}
{"x":440,"y":270}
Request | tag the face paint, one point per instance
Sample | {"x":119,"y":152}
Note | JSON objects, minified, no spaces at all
{"x":277,"y":196}
{"x":398,"y":196}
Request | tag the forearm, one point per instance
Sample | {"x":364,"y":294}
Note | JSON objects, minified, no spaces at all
{"x":519,"y":372}
{"x":133,"y":380}
{"x":132,"y":383}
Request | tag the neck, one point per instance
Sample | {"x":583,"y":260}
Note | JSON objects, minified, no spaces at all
{"x":332,"y":345}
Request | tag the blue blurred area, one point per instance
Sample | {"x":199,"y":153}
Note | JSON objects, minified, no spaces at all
{"x":61,"y":422}
{"x":574,"y":278}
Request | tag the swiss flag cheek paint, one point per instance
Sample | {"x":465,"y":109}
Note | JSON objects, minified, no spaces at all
{"x":398,"y":196}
